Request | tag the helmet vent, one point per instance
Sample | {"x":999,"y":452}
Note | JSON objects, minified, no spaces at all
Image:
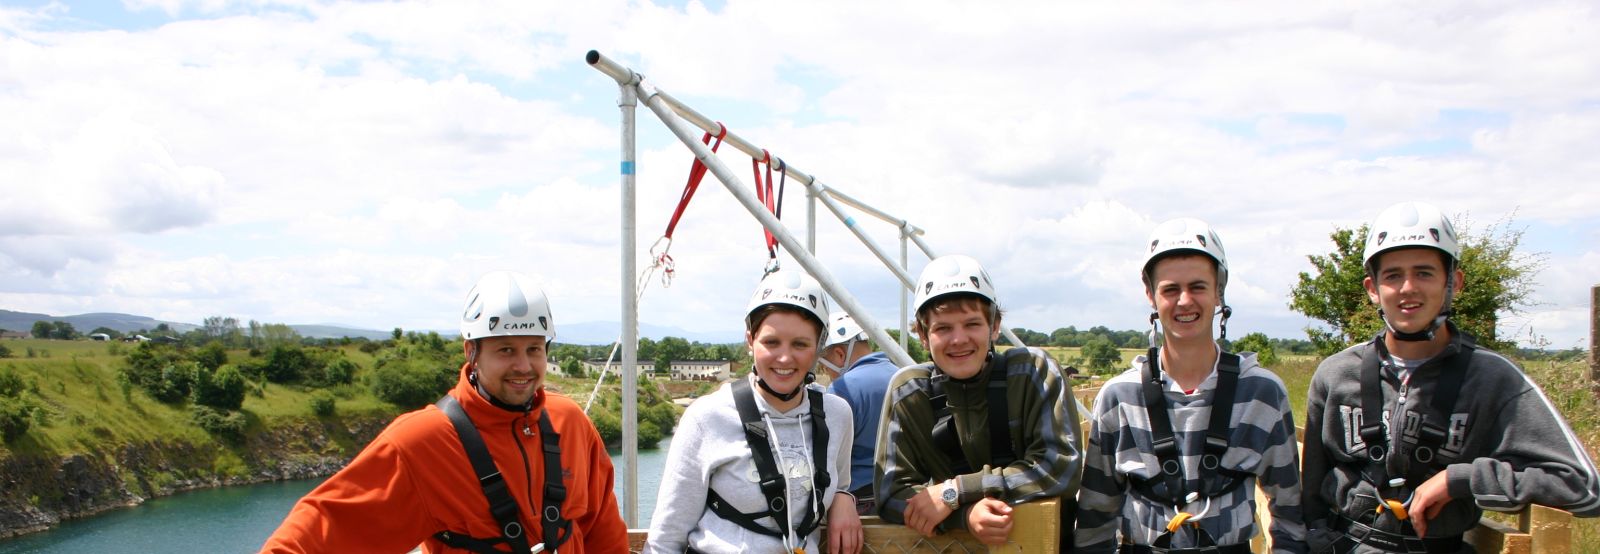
{"x":516,"y":301}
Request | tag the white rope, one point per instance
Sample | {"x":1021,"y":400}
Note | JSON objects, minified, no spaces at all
{"x":642,"y":284}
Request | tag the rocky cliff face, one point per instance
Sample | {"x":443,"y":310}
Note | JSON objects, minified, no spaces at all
{"x":37,"y":492}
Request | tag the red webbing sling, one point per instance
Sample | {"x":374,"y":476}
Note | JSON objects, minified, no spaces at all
{"x":697,"y":172}
{"x":773,"y":202}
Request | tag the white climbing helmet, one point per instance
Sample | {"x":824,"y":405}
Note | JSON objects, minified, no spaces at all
{"x":1410,"y":224}
{"x":950,"y":275}
{"x":843,"y":329}
{"x":1186,"y":234}
{"x":794,"y":288}
{"x":507,"y":304}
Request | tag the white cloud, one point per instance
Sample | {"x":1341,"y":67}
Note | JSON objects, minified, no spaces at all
{"x":372,"y":149}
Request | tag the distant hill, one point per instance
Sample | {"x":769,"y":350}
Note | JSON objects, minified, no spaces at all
{"x":591,"y":333}
{"x":126,"y":323}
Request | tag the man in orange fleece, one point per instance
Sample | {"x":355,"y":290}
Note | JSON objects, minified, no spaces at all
{"x":416,"y":483}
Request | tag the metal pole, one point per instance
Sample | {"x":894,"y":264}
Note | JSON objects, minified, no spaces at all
{"x":653,"y":99}
{"x":905,"y":293}
{"x":811,"y":221}
{"x":850,"y":223}
{"x":627,"y":101}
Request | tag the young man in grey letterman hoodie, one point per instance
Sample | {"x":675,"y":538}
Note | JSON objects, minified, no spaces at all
{"x":1419,"y":480}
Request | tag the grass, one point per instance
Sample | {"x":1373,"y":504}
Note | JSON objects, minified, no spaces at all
{"x":86,"y":410}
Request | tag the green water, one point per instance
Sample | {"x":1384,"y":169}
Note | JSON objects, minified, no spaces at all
{"x":236,"y":519}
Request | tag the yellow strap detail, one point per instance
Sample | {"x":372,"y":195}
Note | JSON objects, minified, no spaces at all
{"x":1177,"y":520}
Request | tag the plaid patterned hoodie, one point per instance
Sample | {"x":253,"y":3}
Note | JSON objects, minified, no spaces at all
{"x":1262,"y":443}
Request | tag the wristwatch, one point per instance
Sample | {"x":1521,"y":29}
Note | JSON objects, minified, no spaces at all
{"x":951,"y":495}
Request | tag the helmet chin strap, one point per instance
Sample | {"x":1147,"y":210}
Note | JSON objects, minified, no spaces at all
{"x":785,"y":397}
{"x":849,"y":350}
{"x":1428,"y":334}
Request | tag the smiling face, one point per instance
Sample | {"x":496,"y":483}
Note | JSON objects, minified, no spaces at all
{"x":784,"y":345}
{"x":1184,"y":294}
{"x":958,"y":336}
{"x":510,"y":368}
{"x":1409,"y":287}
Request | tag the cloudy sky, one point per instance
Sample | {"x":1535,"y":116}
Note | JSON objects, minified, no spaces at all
{"x":362,"y":164}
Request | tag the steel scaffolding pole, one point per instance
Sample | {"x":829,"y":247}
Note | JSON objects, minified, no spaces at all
{"x":679,"y":117}
{"x":627,"y":101}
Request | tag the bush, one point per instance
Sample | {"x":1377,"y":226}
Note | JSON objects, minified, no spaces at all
{"x":370,"y":347}
{"x":608,"y":425}
{"x":663,"y":415}
{"x":286,"y":364}
{"x":322,"y":403}
{"x":222,"y":389}
{"x":411,"y":384}
{"x":649,"y":435}
{"x":11,"y":384}
{"x":211,"y":356}
{"x":16,"y":416}
{"x":228,"y":425}
{"x":5,"y":352}
{"x":337,"y":372}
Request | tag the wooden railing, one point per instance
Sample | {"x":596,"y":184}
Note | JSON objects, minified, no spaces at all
{"x":1036,"y":528}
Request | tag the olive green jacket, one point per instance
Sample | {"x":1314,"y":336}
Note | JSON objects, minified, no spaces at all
{"x":1043,"y":421}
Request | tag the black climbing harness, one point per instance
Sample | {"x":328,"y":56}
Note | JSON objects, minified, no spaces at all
{"x":1171,"y":486}
{"x":773,"y":485}
{"x":501,"y":504}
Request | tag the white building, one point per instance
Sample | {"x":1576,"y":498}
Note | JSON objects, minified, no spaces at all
{"x":681,"y":370}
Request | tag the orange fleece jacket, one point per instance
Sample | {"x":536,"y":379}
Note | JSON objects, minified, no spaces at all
{"x":415,"y":480}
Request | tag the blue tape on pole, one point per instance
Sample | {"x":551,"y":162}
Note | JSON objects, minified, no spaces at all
{"x":849,"y":221}
{"x":627,"y":168}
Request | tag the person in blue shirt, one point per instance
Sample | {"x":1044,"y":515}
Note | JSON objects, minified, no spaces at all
{"x":861,"y":376}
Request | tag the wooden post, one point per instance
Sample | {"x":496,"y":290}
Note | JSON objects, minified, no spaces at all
{"x":1594,"y":340}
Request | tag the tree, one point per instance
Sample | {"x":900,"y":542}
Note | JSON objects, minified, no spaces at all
{"x":1100,"y":355}
{"x":1266,"y":355}
{"x":1498,"y":280}
{"x":43,"y":329}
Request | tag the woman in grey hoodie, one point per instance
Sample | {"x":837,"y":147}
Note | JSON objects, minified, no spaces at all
{"x":759,"y":464}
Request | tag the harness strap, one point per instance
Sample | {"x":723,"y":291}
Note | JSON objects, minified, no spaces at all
{"x":1164,"y":438}
{"x":947,"y":440}
{"x":1357,"y":533}
{"x":772,"y":483}
{"x":501,"y":505}
{"x":1431,"y":434}
{"x":555,"y":490}
{"x":1241,"y":548}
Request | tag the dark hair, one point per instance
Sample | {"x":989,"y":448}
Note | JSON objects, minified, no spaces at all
{"x":956,"y":301}
{"x":760,"y":315}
